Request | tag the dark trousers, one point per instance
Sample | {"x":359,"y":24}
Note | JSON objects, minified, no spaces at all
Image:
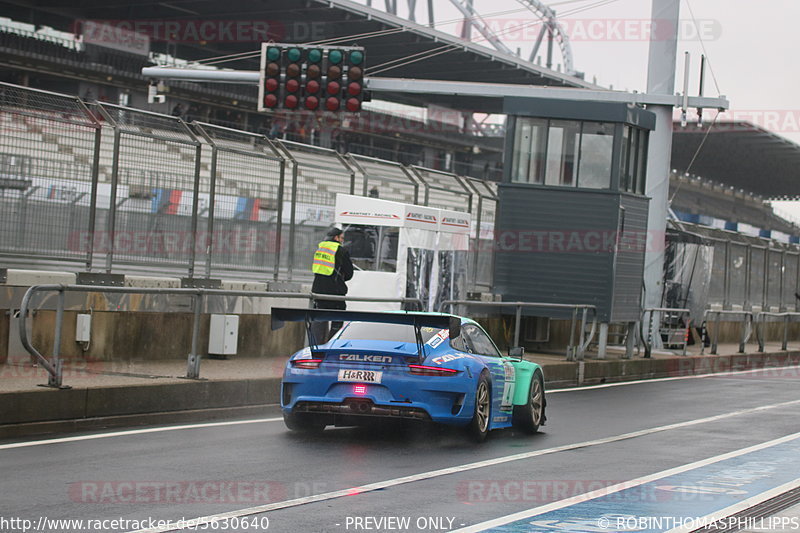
{"x":321,"y":331}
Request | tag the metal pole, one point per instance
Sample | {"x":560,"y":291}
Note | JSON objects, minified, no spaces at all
{"x":292,"y":218}
{"x":660,"y":80}
{"x":602,"y":341}
{"x":581,"y":334}
{"x":55,"y":380}
{"x":193,"y":368}
{"x":195,"y":209}
{"x":517,"y":321}
{"x":112,"y":203}
{"x":716,"y":335}
{"x":279,"y":227}
{"x":760,"y":323}
{"x":785,"y":343}
{"x":570,"y":352}
{"x":212,"y":200}
{"x":93,"y":200}
{"x":629,"y":340}
{"x":745,"y":324}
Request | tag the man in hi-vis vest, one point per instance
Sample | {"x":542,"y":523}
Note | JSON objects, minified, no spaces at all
{"x":332,"y":267}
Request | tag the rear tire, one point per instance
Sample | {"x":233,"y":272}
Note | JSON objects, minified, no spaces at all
{"x":530,"y":416}
{"x":303,"y":422}
{"x":478,"y":427}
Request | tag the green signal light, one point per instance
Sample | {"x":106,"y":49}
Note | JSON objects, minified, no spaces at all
{"x":293,"y":54}
{"x":356,"y":57}
{"x":273,"y":53}
{"x":315,"y":56}
{"x":335,"y":56}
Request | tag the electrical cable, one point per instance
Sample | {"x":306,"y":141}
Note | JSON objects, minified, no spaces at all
{"x":696,"y":153}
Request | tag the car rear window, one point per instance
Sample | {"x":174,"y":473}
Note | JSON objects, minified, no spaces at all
{"x":384,"y":332}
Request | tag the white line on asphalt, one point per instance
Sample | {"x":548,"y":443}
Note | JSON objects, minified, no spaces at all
{"x":522,"y":515}
{"x":738,"y":507}
{"x":677,"y":378}
{"x":456,"y":469}
{"x":263,"y":420}
{"x":133,"y":432}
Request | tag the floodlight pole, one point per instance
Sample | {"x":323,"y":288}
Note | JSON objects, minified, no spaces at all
{"x":660,"y":81}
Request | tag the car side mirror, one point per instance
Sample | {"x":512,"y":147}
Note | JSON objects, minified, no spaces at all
{"x":517,"y":352}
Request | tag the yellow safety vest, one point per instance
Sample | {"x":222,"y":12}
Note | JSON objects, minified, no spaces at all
{"x":325,"y":258}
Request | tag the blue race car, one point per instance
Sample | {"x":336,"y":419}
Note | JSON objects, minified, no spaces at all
{"x":424,"y":366}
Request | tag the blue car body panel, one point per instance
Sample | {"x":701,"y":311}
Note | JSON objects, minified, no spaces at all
{"x":349,"y":367}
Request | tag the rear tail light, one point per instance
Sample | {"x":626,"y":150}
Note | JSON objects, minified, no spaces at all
{"x":306,"y":363}
{"x":423,"y":370}
{"x":359,"y":390}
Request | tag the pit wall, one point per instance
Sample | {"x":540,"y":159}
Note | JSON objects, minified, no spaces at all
{"x":131,"y":335}
{"x":137,"y":335}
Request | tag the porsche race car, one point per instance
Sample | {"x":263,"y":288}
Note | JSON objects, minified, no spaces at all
{"x":404,"y":365}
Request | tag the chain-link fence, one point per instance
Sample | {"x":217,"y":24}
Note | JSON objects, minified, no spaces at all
{"x":244,"y":229}
{"x":48,"y":150}
{"x":317,"y":176}
{"x":154,"y":163}
{"x":112,"y":186}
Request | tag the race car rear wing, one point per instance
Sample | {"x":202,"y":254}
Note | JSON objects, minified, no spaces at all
{"x":281,"y":315}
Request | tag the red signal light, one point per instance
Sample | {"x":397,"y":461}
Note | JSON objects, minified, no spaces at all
{"x":333,"y":88}
{"x":353,"y":105}
{"x":332,"y":104}
{"x":271,"y":85}
{"x":312,"y":87}
{"x":354,"y":89}
{"x":292,"y":86}
{"x":359,"y":389}
{"x":312,"y":102}
{"x":270,"y":100}
{"x":291,"y":101}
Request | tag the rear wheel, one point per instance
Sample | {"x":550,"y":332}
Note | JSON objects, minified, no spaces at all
{"x":478,"y":428}
{"x":530,"y":416}
{"x":303,"y":422}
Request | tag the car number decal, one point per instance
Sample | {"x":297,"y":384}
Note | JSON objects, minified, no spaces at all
{"x":507,"y":401}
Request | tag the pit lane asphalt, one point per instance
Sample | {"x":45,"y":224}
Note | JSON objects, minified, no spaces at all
{"x":63,"y":480}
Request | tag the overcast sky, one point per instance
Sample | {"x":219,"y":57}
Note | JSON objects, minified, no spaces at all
{"x":749,"y":45}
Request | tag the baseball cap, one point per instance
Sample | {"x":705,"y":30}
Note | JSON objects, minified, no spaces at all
{"x":334,"y":232}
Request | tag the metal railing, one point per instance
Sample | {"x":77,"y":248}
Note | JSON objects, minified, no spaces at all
{"x":747,"y":327}
{"x":653,"y":312}
{"x":54,"y":366}
{"x":575,"y":352}
{"x":761,"y":322}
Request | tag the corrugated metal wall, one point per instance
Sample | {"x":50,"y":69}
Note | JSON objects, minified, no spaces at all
{"x":558,"y":246}
{"x":629,"y":267}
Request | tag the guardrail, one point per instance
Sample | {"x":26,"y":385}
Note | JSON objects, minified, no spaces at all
{"x":747,"y":329}
{"x":652,"y":311}
{"x":760,"y":322}
{"x":54,"y":367}
{"x":574,"y":351}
